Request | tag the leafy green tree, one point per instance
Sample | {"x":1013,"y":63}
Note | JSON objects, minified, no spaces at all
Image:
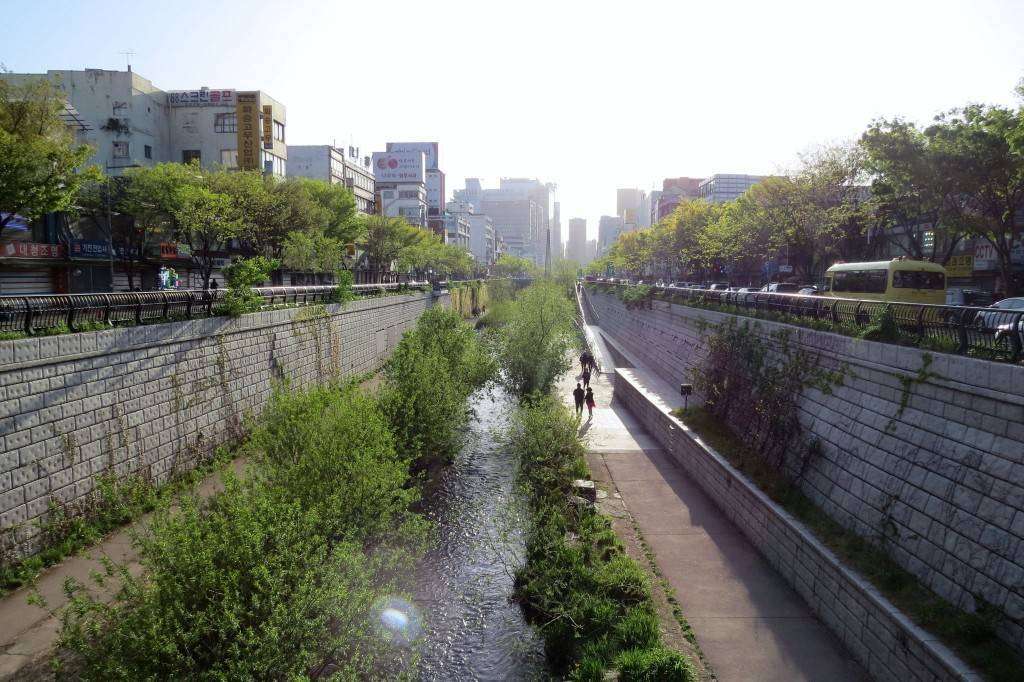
{"x":513,"y":266}
{"x":207,"y":221}
{"x":41,"y":167}
{"x":334,"y":208}
{"x":533,"y":345}
{"x":385,"y":239}
{"x":312,"y":252}
{"x":242,"y":275}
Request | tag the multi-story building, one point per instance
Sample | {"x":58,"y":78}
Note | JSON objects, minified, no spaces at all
{"x":720,"y":187}
{"x":608,"y":230}
{"x":576,"y":248}
{"x":518,"y":219}
{"x":631,"y":206}
{"x":674,"y":191}
{"x":457,"y":230}
{"x":652,"y":206}
{"x":401,"y":185}
{"x":333,"y":165}
{"x":592,"y":251}
{"x":472,"y":194}
{"x":131,"y":122}
{"x":482,"y":243}
{"x":434,"y":180}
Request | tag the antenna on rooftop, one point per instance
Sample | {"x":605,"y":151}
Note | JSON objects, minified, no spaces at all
{"x":128,"y":54}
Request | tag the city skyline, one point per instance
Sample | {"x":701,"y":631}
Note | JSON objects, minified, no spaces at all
{"x":763,"y":116}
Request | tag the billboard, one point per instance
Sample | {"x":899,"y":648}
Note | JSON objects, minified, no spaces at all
{"x":398,"y":166}
{"x":247,"y":112}
{"x":268,"y":126}
{"x":201,"y":98}
{"x":429,"y":150}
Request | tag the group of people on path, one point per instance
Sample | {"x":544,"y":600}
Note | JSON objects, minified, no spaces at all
{"x":581,"y":396}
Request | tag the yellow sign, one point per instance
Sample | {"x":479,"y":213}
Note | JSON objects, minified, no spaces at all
{"x":268,"y":126}
{"x":247,"y":112}
{"x":960,"y":266}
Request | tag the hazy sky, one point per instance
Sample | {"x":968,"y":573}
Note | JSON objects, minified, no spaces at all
{"x":590,"y":95}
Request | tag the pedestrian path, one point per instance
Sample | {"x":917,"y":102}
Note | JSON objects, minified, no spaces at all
{"x":749,"y":623}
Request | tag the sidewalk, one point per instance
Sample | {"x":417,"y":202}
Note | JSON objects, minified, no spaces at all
{"x":749,"y":623}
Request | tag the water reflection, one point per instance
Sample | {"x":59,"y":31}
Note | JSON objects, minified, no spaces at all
{"x":471,"y":631}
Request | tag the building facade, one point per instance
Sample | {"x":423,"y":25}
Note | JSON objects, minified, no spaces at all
{"x":608,"y":230}
{"x":333,"y":165}
{"x":631,"y":205}
{"x":576,"y":248}
{"x":400,"y":182}
{"x":673,"y":192}
{"x":723,"y":187}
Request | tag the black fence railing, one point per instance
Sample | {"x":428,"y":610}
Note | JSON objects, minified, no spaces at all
{"x":988,"y":333}
{"x":32,"y":314}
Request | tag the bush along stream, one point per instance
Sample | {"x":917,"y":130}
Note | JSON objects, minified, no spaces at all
{"x":302,"y":569}
{"x":586,"y":597}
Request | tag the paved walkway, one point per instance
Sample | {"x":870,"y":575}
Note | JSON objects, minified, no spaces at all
{"x":749,"y":623}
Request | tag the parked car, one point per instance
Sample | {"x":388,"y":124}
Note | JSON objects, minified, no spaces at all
{"x":781,"y":288}
{"x":718,"y":286}
{"x":680,"y":285}
{"x":809,"y":291}
{"x":996,"y":316}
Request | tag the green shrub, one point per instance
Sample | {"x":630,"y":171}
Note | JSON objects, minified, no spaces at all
{"x":534,"y":343}
{"x":654,"y":665}
{"x":343,"y":292}
{"x":248,"y":588}
{"x":242,"y":276}
{"x":638,"y":296}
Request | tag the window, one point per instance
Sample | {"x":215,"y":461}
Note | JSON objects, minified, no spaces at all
{"x":864,"y":281}
{"x":147,"y":151}
{"x":120,"y":150}
{"x":387,"y":194}
{"x":906,"y":279}
{"x":408,"y":194}
{"x":273,"y":164}
{"x":229,"y":158}
{"x":190,"y":155}
{"x":278,"y":131}
{"x":225,"y":123}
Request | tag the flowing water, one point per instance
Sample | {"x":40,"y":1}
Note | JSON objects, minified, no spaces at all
{"x":470,"y":629}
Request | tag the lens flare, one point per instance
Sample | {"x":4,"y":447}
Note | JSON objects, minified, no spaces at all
{"x":399,"y":621}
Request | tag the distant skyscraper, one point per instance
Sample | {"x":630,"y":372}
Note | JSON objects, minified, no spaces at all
{"x":673,"y":191}
{"x":608,"y":230}
{"x":721,"y":187}
{"x":630,"y":206}
{"x":556,"y":232}
{"x":576,"y":249}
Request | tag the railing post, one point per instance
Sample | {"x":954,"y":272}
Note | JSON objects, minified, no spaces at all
{"x":209,"y":302}
{"x":167,"y":305}
{"x":71,"y":313}
{"x":856,"y":314}
{"x":835,"y":311}
{"x":106,"y":309}
{"x":961,"y":332}
{"x":1015,"y":341}
{"x":28,"y":316}
{"x":138,"y":308}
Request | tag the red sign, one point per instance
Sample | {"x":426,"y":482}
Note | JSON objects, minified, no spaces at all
{"x":31,"y":250}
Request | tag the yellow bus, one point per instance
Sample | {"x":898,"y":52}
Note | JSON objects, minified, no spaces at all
{"x":897,"y":280}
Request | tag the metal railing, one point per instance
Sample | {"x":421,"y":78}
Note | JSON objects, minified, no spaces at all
{"x":31,"y":314}
{"x":988,"y":333}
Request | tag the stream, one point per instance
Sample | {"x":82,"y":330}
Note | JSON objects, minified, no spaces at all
{"x":471,"y":631}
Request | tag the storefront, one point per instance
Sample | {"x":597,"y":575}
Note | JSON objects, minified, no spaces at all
{"x":31,"y":268}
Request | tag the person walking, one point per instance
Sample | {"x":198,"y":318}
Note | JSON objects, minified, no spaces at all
{"x":586,"y":377}
{"x":584,"y":361}
{"x":578,"y":396}
{"x":590,"y":403}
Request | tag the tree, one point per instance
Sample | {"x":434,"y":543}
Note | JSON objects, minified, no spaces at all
{"x":208,"y":221}
{"x":40,"y":165}
{"x":385,"y":238}
{"x":910,"y":192}
{"x":313,"y":252}
{"x":513,"y":266}
{"x":334,"y":207}
{"x":978,"y":149}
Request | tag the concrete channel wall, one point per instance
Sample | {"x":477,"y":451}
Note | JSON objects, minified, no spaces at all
{"x":882,"y":639}
{"x":153,"y":400}
{"x":925,"y":450}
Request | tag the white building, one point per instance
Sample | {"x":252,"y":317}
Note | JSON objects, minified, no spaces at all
{"x":333,"y":165}
{"x":482,"y":242}
{"x":631,"y":205}
{"x":132,"y":123}
{"x":720,"y":187}
{"x":401,"y":185}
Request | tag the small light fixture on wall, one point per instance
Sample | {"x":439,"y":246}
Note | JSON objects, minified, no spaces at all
{"x":686,"y":390}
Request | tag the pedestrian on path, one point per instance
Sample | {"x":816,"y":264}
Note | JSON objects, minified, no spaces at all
{"x":584,"y":361}
{"x":590,"y":403}
{"x":578,"y":396}
{"x":586,"y":377}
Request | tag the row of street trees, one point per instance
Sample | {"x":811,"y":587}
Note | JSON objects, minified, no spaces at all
{"x":962,"y":176}
{"x":307,"y":225}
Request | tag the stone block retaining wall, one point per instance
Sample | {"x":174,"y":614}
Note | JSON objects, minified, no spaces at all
{"x":881,"y":638}
{"x":939,"y":462}
{"x":151,"y":400}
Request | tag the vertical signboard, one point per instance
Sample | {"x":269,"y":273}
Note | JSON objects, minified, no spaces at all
{"x":248,"y":114}
{"x":268,"y":126}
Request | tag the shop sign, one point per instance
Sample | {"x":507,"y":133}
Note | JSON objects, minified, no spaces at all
{"x":173,"y":250}
{"x":201,"y":98}
{"x":268,"y":126}
{"x":247,"y":113}
{"x":88,"y":248}
{"x":32,"y":250}
{"x":986,"y":258}
{"x":960,"y":266}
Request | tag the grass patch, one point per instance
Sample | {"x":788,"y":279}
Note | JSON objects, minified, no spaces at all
{"x":971,"y":635}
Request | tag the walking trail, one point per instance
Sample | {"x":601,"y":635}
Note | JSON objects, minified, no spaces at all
{"x":749,"y":623}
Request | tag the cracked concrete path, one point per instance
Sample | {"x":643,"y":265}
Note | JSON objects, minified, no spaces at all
{"x":750,"y":624}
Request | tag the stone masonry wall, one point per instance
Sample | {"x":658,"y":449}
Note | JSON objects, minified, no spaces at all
{"x":931,"y":461}
{"x":151,"y":400}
